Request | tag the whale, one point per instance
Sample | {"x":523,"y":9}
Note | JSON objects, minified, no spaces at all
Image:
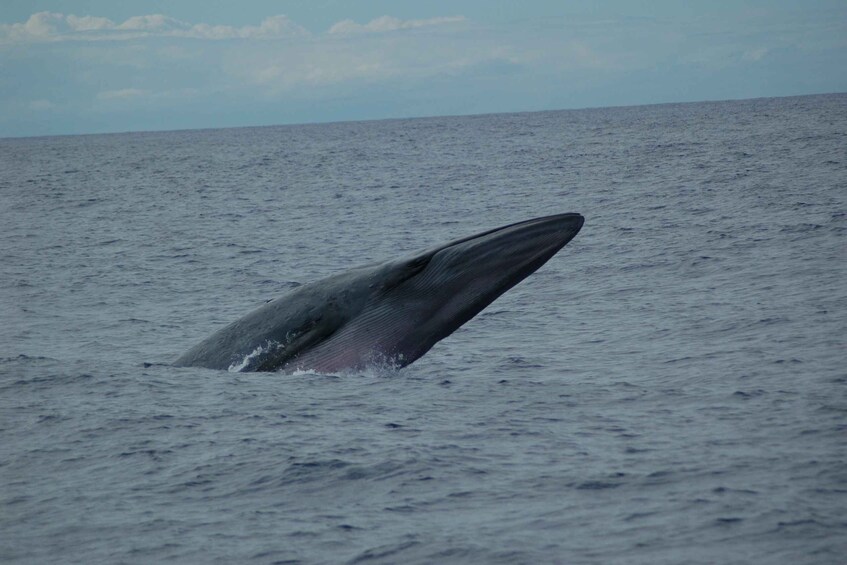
{"x":387,"y":313}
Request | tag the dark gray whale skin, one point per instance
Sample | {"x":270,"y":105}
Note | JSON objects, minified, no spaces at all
{"x":385,"y":313}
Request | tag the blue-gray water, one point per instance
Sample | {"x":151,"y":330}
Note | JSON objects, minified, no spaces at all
{"x":670,"y":388}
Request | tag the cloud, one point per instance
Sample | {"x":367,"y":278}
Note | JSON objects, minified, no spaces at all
{"x":271,"y":27}
{"x":347,"y":53}
{"x":360,"y":58}
{"x":121,"y":94}
{"x":41,"y":105}
{"x":155,"y":23}
{"x":87,"y":23}
{"x":40,"y":25}
{"x":51,"y":26}
{"x":754,"y":54}
{"x":156,"y":71}
{"x":389,"y":23}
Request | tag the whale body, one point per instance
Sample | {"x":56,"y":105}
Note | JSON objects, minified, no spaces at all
{"x":391,"y":312}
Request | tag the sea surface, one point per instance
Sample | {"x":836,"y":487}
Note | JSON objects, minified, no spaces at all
{"x":670,"y":388}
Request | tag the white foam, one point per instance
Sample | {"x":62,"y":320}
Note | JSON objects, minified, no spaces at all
{"x":238,"y":367}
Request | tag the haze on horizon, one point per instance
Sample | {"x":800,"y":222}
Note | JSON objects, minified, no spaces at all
{"x":97,"y":66}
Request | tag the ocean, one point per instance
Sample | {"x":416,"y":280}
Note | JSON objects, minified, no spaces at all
{"x":671,"y":387}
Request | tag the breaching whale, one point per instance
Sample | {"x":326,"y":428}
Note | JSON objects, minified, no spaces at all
{"x":391,"y":312}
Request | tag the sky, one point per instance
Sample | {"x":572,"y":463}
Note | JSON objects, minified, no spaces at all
{"x":69,"y":67}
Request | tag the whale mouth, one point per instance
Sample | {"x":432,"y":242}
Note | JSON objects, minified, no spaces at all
{"x":513,"y":251}
{"x":566,"y":225}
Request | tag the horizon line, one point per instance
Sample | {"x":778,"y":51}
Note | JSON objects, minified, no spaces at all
{"x":421,"y":117}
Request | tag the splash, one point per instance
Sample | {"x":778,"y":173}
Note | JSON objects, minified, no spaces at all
{"x":254,"y":355}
